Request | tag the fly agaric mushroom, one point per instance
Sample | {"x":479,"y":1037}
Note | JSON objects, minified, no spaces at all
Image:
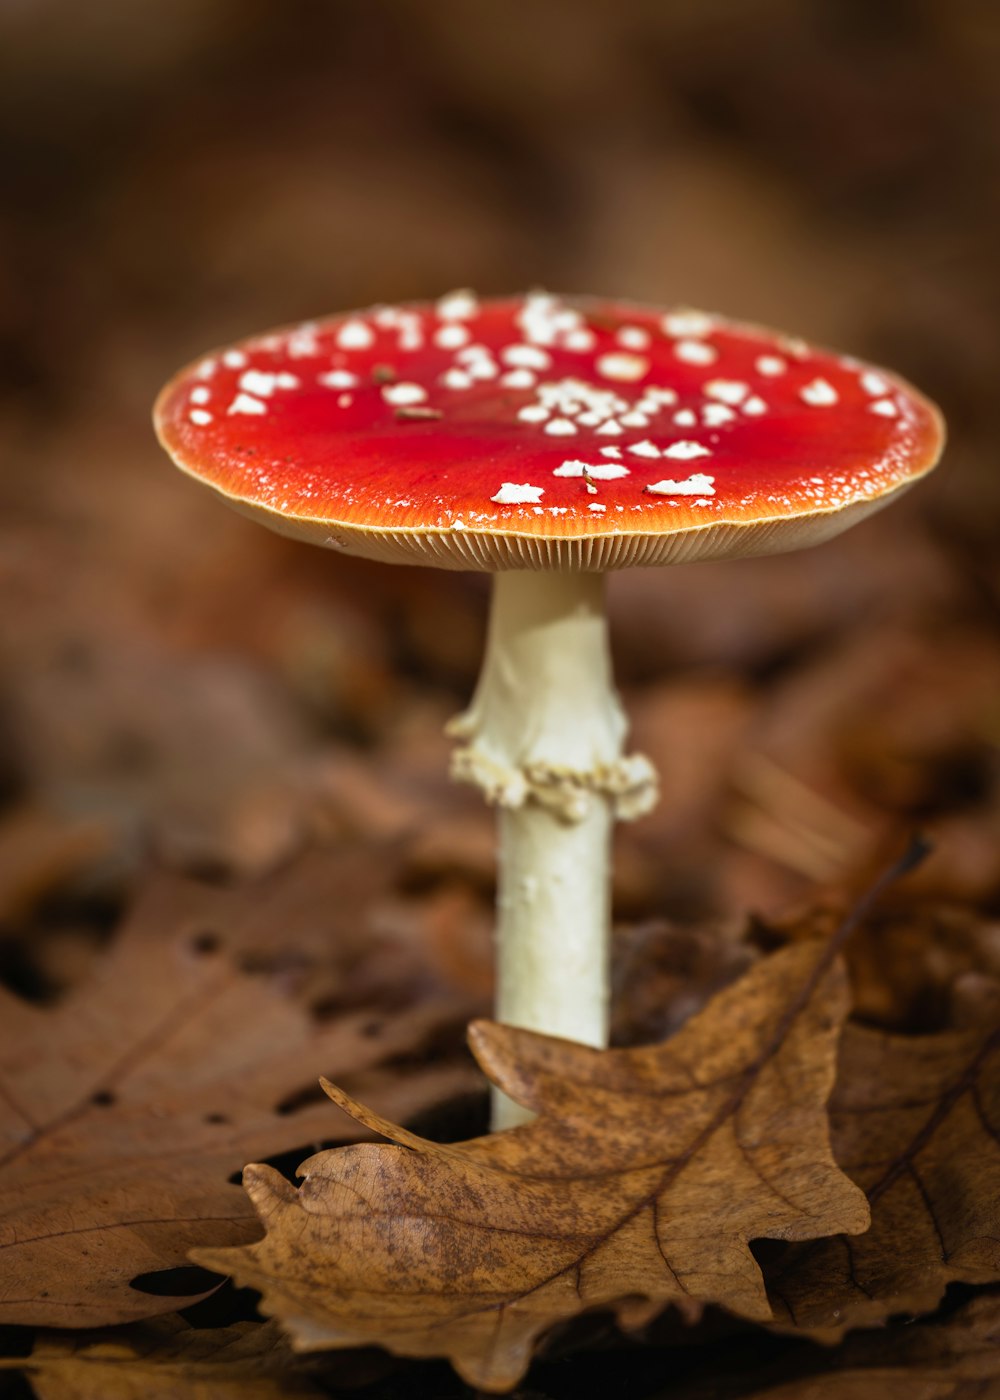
{"x":547,"y":440}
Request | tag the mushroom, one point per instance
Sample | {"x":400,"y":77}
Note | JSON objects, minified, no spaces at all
{"x":547,"y":441}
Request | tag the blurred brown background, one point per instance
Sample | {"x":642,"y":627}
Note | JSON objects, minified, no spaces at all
{"x":177,"y":686}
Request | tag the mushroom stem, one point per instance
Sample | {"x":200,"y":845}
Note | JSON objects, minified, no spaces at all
{"x":544,"y":737}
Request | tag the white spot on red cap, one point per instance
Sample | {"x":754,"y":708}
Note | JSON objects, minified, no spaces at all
{"x":696,"y":352}
{"x":687,"y":323}
{"x":201,"y":416}
{"x":234,"y":359}
{"x":633,"y":337}
{"x":644,"y":449}
{"x":338,"y":379}
{"x":560,"y":427}
{"x":770,"y":365}
{"x":731,"y":391}
{"x":684,"y":451}
{"x":754,"y":406}
{"x":302,"y":341}
{"x":511,"y":494}
{"x":526,"y":357}
{"x":458,"y":306}
{"x":246,"y":403}
{"x":622,"y":366}
{"x":794,"y":345}
{"x":580,"y":339}
{"x":659,"y":394}
{"x":519,"y":379}
{"x":451,"y":337}
{"x":263,"y":384}
{"x":355,"y":335}
{"x":885,"y":407}
{"x":597,"y":508}
{"x":685,"y":418}
{"x":600,"y":471}
{"x":400,"y":395}
{"x":478,"y":361}
{"x":533,"y":413}
{"x":610,"y":451}
{"x":542,"y":318}
{"x":874,"y":384}
{"x":697,"y":485}
{"x":713,"y":415}
{"x":612,"y":428}
{"x":456,"y":379}
{"x":201,"y":393}
{"x":820,"y":393}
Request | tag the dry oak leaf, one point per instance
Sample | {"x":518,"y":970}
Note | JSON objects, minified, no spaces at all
{"x":915,"y":1121}
{"x":126,"y":1109}
{"x":955,"y":1358}
{"x":640,"y":1184}
{"x":167,"y":1359}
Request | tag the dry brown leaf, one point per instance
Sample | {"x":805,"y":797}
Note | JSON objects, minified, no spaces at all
{"x":125,"y":1110}
{"x":663,"y":973}
{"x":891,"y":722}
{"x":907,"y":958}
{"x":40,"y":849}
{"x":335,"y":919}
{"x":167,"y":1359}
{"x":954,"y":1359}
{"x":640,"y":1184}
{"x":905,"y":961}
{"x":915,"y":1121}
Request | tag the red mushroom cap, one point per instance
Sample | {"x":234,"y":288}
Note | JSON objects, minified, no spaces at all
{"x":543,"y":432}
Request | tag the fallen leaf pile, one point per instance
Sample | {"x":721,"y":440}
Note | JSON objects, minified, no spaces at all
{"x":127,"y":1109}
{"x":644,"y":1178}
{"x":954,"y":1359}
{"x":806,"y":1173}
{"x":916,"y":1123}
{"x":641,"y":1183}
{"x":169,"y":1357}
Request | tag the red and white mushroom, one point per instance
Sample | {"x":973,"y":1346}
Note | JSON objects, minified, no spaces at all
{"x":547,"y":440}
